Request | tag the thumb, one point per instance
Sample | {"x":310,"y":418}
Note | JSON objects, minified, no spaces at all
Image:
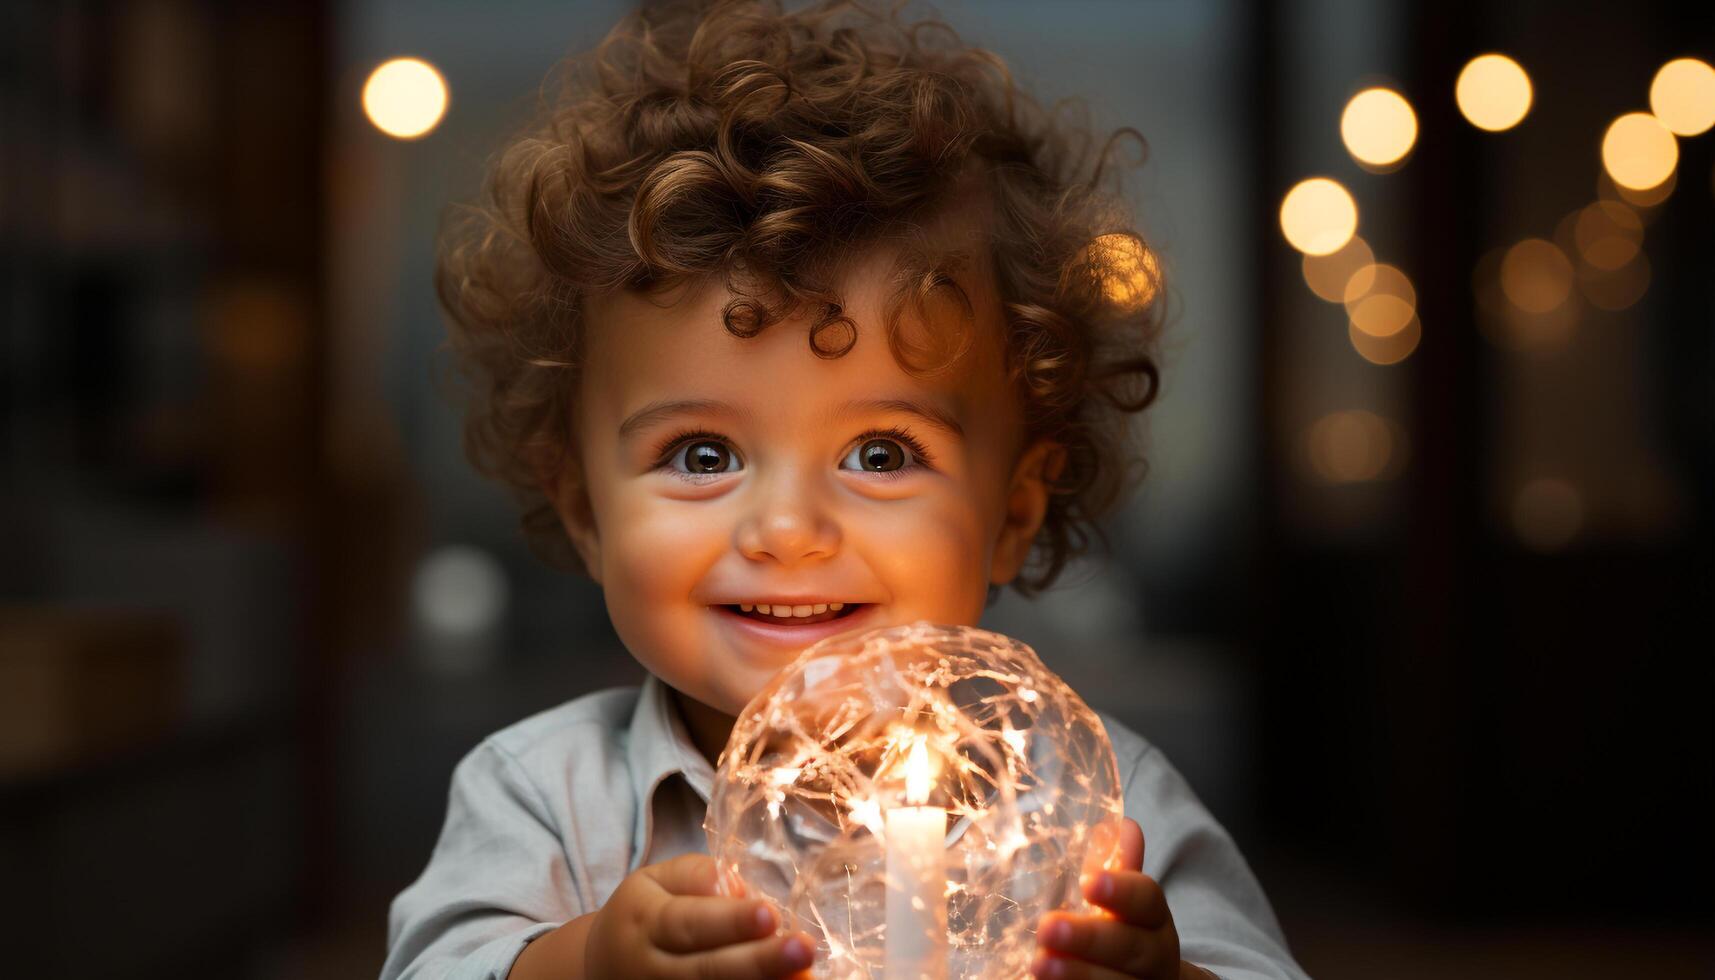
{"x":1115,"y":845}
{"x":687,"y":874}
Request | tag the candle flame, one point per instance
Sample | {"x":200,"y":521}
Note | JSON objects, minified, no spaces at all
{"x":918,"y":776}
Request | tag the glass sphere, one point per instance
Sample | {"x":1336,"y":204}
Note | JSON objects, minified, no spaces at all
{"x":935,"y":780}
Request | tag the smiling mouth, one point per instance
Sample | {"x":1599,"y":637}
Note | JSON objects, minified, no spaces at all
{"x":831,"y":614}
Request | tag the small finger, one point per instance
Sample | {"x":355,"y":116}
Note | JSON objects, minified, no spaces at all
{"x":691,"y":923}
{"x":687,"y":874}
{"x":776,"y":956}
{"x":1049,"y":967}
{"x":1131,"y":896}
{"x":1104,"y":942}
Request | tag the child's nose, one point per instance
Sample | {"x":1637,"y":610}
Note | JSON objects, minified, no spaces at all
{"x":787,"y":526}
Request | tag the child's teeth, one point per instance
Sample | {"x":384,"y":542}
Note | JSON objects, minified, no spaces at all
{"x":782,"y":611}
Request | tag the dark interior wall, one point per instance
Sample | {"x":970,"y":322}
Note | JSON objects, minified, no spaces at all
{"x":166,"y":660}
{"x":1484,"y":731}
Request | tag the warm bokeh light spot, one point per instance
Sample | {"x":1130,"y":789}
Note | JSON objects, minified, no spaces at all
{"x":1683,"y":96}
{"x":1638,"y":151}
{"x":1386,"y":350}
{"x":1616,"y":289}
{"x":1352,"y":447}
{"x":1380,"y":303}
{"x":1644,"y":201}
{"x":1327,"y":275}
{"x":1548,"y":513}
{"x":405,"y":98}
{"x":1381,"y":315}
{"x":1510,"y":328}
{"x":1608,"y":234}
{"x":1382,"y":278}
{"x":1493,"y":92}
{"x":1318,"y":216}
{"x":1378,"y":127}
{"x":1130,"y":272}
{"x":1536,"y":276}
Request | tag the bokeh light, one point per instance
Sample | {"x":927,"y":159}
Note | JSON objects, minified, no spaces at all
{"x":1607,"y":234}
{"x":1644,"y":202}
{"x":1615,"y":289}
{"x":1683,"y":96}
{"x":1510,"y":328}
{"x":1354,"y":446}
{"x":1327,"y":275}
{"x":459,"y":600}
{"x":405,"y":98}
{"x":1379,"y":277}
{"x":1638,"y":152}
{"x":1547,"y":513}
{"x":1380,"y":300}
{"x":1536,"y":276}
{"x":1378,"y":127}
{"x":1318,"y":216}
{"x":1391,"y":349}
{"x":1381,"y":315}
{"x":1493,"y":92}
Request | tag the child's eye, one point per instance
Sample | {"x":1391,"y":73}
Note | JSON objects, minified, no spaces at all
{"x":694,"y":455}
{"x":891,"y":453}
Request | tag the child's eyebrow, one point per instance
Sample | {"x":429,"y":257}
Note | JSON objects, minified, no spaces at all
{"x":928,"y":414}
{"x":657,"y":411}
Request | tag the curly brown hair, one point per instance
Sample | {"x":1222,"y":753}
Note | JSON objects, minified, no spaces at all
{"x":734,"y":138}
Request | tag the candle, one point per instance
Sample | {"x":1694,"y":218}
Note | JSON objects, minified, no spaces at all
{"x":916,"y":878}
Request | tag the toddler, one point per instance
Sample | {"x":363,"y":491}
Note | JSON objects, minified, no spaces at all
{"x":788,"y":324}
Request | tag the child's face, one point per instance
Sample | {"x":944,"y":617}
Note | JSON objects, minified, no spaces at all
{"x":773,"y":499}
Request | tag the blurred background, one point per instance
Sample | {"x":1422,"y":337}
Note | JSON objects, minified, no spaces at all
{"x":1419,"y":592}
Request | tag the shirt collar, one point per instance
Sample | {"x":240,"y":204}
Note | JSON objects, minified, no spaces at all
{"x":659,"y":747}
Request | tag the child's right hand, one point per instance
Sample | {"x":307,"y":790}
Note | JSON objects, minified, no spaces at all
{"x":667,"y":920}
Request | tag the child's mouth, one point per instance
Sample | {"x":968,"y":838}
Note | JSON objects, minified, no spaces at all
{"x":822,"y":617}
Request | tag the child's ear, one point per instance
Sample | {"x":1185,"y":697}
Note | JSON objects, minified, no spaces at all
{"x":571,"y":501}
{"x":1026,"y":504}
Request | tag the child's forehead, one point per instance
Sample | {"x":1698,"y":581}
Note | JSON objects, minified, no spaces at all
{"x":642,"y":347}
{"x":685,"y":336}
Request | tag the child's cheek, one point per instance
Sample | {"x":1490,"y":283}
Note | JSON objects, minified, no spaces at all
{"x":655,"y":560}
{"x":931,"y":556}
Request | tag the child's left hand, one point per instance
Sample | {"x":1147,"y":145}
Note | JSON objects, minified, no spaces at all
{"x":1132,"y":935}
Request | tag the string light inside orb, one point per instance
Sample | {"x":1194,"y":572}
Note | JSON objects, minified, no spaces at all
{"x":916,"y":797}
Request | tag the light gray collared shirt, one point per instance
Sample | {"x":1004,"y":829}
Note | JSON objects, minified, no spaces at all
{"x":547,"y":816}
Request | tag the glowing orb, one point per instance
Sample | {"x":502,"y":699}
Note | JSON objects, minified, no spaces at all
{"x":906,"y":721}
